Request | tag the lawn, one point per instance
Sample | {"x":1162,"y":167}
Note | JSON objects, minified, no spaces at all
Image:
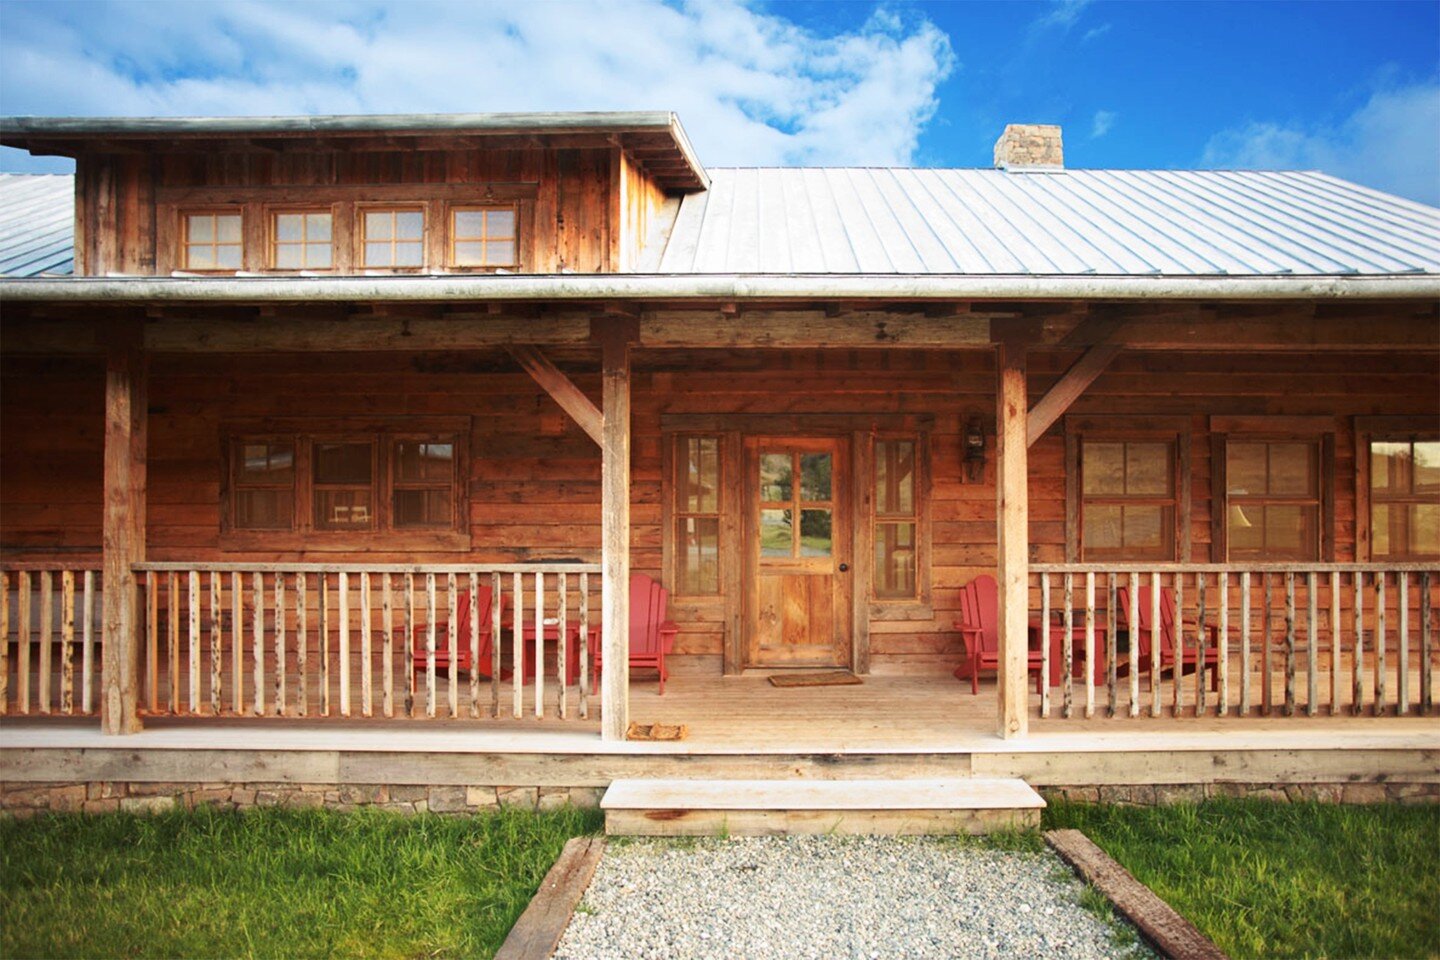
{"x":272,"y":883}
{"x":1283,"y":880}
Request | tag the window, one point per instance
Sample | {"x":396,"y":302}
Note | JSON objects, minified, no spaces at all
{"x":1128,"y":499}
{"x":301,"y":240}
{"x":308,"y":488}
{"x":1404,"y":499}
{"x":697,"y":515}
{"x":211,"y":240}
{"x":783,"y":501}
{"x":1272,"y":499}
{"x":393,"y":237}
{"x":483,"y":237}
{"x":897,"y":520}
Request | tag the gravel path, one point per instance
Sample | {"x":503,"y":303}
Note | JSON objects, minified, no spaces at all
{"x":832,"y":897}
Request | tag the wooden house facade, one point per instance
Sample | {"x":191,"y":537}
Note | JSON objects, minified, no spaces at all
{"x":347,"y":422}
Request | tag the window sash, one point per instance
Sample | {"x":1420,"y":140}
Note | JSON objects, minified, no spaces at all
{"x":1170,"y":505}
{"x":697,"y":581}
{"x":1400,"y":505}
{"x":896,"y":534}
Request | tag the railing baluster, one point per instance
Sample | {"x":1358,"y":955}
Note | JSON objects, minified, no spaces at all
{"x":1222,"y":655}
{"x":257,"y":591}
{"x":1311,"y":672}
{"x":5,"y":644}
{"x":1134,"y":638}
{"x":1044,"y":644}
{"x":87,"y":681}
{"x":217,"y":656}
{"x":1068,"y":648}
{"x":367,"y":677}
{"x":410,"y":644}
{"x":1289,"y":644}
{"x":1336,"y":644}
{"x":452,"y":644}
{"x":475,"y":644}
{"x":1380,"y":640}
{"x":22,"y":641}
{"x":1357,"y":696}
{"x":237,"y":644}
{"x":562,"y":651}
{"x":47,"y":629}
{"x":517,"y":629}
{"x":1245,"y":643}
{"x":302,"y":641}
{"x":584,"y":645}
{"x":1266,"y":681}
{"x":539,"y":646}
{"x":1112,"y":630}
{"x":67,"y":641}
{"x":1089,"y":644}
{"x":322,"y":649}
{"x":152,"y":642}
{"x":387,"y":614}
{"x":280,"y":644}
{"x":192,"y":595}
{"x":1402,"y":653}
{"x":1427,"y":666}
{"x":1177,"y":666}
{"x":497,"y":641}
{"x":429,"y":644}
{"x":342,"y":615}
{"x":1202,"y":679}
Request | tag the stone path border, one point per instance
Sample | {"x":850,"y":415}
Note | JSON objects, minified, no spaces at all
{"x":1171,"y":934}
{"x":538,"y":931}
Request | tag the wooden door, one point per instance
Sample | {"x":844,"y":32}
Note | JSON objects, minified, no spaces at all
{"x":797,"y":549}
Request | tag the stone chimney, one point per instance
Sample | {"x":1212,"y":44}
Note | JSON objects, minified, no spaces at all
{"x":1028,"y":145}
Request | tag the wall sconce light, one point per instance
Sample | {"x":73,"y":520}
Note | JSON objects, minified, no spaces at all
{"x":974,"y":458}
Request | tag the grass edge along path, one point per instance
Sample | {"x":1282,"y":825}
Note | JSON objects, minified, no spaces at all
{"x":1266,"y":879}
{"x":271,"y":883}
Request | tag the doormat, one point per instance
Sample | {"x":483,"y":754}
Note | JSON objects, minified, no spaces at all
{"x":827,"y":679}
{"x":657,"y":731}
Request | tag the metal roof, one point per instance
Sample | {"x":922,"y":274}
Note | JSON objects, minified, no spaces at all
{"x":1158,"y":223}
{"x":37,"y":225}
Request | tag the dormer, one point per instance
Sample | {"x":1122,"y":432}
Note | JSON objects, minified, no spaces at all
{"x":368,"y":195}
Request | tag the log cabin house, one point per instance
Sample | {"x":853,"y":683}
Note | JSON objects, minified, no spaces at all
{"x":317,"y":383}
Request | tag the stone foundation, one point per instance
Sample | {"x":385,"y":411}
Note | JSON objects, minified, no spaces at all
{"x":27,"y":799}
{"x":1161,"y":793}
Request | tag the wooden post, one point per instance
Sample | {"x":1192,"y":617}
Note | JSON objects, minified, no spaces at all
{"x":123,"y":534}
{"x":1012,"y":503}
{"x":615,"y":532}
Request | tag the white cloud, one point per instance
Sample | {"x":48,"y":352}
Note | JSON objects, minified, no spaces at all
{"x":1102,"y":123}
{"x":1062,"y":15}
{"x":1094,"y":33}
{"x":751,"y":86}
{"x":1391,"y":143}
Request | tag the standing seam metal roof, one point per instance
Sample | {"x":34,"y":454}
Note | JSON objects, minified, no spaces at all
{"x":37,"y":225}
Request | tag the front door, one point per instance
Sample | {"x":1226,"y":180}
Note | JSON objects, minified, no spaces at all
{"x":797,"y":549}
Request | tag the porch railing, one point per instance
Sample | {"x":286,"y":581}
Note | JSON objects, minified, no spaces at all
{"x":307,"y":640}
{"x":1287,"y":639}
{"x":49,"y":631}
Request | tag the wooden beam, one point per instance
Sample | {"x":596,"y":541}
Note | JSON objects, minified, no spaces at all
{"x":1012,"y":502}
{"x":615,"y":531}
{"x":810,"y":328}
{"x":1068,"y":388}
{"x":561,"y":389}
{"x":123,"y":529}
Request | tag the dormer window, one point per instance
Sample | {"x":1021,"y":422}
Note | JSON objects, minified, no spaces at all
{"x":212,"y":240}
{"x":483,"y":236}
{"x":392,"y":237}
{"x":301,"y":240}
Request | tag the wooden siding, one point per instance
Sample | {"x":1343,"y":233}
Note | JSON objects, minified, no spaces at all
{"x":534,"y":476}
{"x":127,"y":204}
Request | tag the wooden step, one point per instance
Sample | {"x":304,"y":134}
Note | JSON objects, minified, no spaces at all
{"x":776,"y":807}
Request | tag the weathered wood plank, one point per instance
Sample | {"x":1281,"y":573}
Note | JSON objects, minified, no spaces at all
{"x":1012,"y":507}
{"x":123,"y":528}
{"x":615,"y":532}
{"x":538,"y":931}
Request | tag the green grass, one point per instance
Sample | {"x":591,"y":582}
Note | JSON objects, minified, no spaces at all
{"x":1268,"y":879}
{"x":270,"y":883}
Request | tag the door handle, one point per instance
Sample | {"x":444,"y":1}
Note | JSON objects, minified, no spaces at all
{"x":844,"y":567}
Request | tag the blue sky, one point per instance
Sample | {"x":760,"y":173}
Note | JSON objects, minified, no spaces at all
{"x":1350,"y":88}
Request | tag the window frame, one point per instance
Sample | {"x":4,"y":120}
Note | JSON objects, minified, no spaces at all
{"x":272,"y":211}
{"x":1368,"y":430}
{"x":918,"y":605}
{"x":454,"y":207}
{"x":304,"y":535}
{"x":1318,"y":431}
{"x":426,"y":241}
{"x":1127,"y":429}
{"x":182,"y":232}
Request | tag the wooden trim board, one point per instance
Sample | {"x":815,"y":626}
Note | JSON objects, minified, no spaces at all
{"x":538,"y":931}
{"x":938,"y":794}
{"x":1175,"y":936}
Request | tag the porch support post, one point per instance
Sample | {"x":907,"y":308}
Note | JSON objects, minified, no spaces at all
{"x":615,"y":342}
{"x":1012,"y":501}
{"x":123,"y":535}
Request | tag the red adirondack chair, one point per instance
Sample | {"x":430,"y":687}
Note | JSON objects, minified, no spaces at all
{"x":651,"y":635}
{"x":1190,"y":657}
{"x":980,"y":627}
{"x":462,"y":638}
